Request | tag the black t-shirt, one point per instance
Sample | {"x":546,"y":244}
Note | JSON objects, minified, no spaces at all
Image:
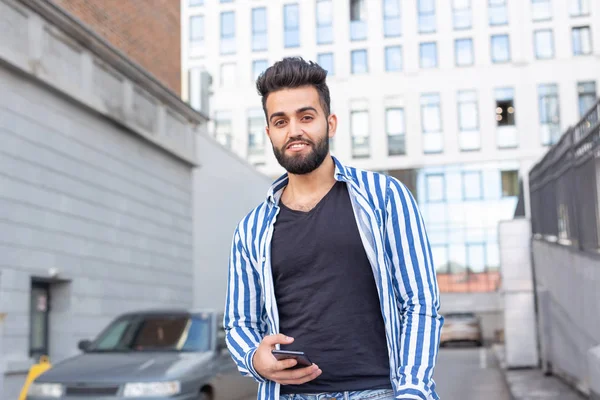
{"x":327,"y":298}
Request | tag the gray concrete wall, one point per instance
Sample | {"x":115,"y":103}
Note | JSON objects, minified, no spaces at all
{"x":226,"y":188}
{"x":96,"y":184}
{"x":569,"y":304}
{"x":108,"y":211}
{"x":520,"y":328}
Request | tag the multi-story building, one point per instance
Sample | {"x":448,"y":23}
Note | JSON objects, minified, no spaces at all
{"x":457,"y":98}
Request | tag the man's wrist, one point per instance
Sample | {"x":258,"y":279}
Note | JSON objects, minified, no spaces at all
{"x":251,"y":368}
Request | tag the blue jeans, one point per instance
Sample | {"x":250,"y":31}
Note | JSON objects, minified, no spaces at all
{"x":382,"y":394}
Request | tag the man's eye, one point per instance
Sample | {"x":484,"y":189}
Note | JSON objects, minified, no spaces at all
{"x":279,"y":123}
{"x":307,"y":117}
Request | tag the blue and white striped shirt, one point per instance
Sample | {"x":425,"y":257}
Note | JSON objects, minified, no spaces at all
{"x":394,"y":237}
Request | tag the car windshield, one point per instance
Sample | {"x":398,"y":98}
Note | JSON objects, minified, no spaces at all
{"x":155,"y":333}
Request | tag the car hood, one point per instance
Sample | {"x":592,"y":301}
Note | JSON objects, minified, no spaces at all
{"x":127,"y":367}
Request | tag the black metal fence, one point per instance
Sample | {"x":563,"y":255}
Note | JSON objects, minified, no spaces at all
{"x":565,"y":186}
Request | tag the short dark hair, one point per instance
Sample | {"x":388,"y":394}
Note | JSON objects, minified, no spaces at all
{"x":290,"y":73}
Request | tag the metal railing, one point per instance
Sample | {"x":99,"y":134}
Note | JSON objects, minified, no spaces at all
{"x":565,"y":187}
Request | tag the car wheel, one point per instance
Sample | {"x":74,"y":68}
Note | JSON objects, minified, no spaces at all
{"x":204,"y":396}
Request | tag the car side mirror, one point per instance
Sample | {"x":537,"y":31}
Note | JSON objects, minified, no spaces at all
{"x":84,"y":345}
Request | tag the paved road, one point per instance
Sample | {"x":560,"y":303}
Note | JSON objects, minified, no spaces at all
{"x":467,"y":374}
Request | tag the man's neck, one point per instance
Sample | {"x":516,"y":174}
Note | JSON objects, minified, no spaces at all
{"x":307,"y":185}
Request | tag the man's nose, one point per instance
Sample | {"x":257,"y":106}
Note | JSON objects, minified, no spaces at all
{"x":295,"y":128}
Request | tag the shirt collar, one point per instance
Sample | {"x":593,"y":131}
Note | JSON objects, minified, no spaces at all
{"x":276,"y":189}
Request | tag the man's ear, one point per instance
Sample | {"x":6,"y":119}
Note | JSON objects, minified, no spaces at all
{"x":332,"y":122}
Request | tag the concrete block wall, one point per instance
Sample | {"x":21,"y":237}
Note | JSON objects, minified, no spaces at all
{"x":520,"y":325}
{"x":96,"y":165}
{"x":107,"y":210}
{"x":567,"y":285}
{"x":226,"y":188}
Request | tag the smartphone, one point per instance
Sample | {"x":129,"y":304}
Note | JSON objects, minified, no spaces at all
{"x":299,"y":356}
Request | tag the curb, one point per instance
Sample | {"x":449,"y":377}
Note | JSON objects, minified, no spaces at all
{"x":497,"y":351}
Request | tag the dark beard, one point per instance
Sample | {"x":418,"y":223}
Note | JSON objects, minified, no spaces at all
{"x":300,"y":165}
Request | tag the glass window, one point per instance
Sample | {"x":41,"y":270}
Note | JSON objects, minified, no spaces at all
{"x":510,"y":183}
{"x":472,"y":185}
{"x":468,"y":120}
{"x":360,"y":63}
{"x":476,"y":257}
{"x":500,"y":48}
{"x":228,"y":74}
{"x":393,"y":58}
{"x":430,"y":108}
{"x":506,"y":133}
{"x":228,"y":32}
{"x":586,"y":92}
{"x":498,"y":12}
{"x":431,"y":122}
{"x":39,"y":319}
{"x":582,"y":41}
{"x":578,"y":8}
{"x":549,"y":113}
{"x":223,"y":129}
{"x":359,"y":125}
{"x":197,"y":88}
{"x":395,"y":127}
{"x":194,"y":3}
{"x":258,"y":67}
{"x":392,"y":22}
{"x":461,"y":14}
{"x":324,"y":21}
{"x":544,"y":44}
{"x":541,"y":10}
{"x":426,"y":10}
{"x":197,"y":30}
{"x":133,"y":333}
{"x":435,"y":188}
{"x":358,"y":20}
{"x":325,"y":60}
{"x":457,"y":259}
{"x":505,"y":107}
{"x":463,"y":52}
{"x":291,"y":23}
{"x":256,"y":132}
{"x":428,"y":55}
{"x":259,"y":29}
{"x":440,"y":258}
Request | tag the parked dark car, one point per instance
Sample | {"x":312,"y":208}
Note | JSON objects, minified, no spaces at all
{"x":160,"y":354}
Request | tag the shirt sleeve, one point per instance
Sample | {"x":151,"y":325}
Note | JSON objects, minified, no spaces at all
{"x":418,"y":302}
{"x":243,"y":331}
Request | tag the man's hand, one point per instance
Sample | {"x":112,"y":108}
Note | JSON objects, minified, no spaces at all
{"x":272,"y":369}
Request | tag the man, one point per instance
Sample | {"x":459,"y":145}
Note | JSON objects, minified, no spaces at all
{"x":335,"y":263}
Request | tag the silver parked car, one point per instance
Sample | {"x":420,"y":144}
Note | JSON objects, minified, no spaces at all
{"x":158,"y":354}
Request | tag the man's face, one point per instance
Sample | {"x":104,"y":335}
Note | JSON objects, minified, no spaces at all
{"x":298,"y":129}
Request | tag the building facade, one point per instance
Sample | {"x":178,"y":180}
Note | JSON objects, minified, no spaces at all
{"x":455,"y":98}
{"x":146,"y":33}
{"x":96,"y":188}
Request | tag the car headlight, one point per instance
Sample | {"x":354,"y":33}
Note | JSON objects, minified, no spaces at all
{"x":151,"y":389}
{"x":50,"y":390}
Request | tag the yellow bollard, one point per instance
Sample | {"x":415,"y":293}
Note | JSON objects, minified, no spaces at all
{"x":35,"y":371}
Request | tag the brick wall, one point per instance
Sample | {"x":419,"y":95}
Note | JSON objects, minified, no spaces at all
{"x":147,"y":31}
